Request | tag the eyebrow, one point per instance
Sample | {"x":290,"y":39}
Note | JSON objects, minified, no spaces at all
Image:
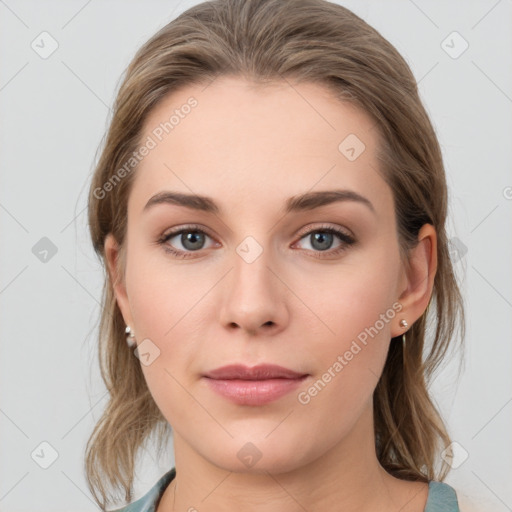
{"x":303,"y":202}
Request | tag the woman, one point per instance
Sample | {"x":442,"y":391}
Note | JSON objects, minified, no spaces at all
{"x":270,"y":206}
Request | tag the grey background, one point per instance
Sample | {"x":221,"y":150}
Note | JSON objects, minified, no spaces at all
{"x":54,"y":113}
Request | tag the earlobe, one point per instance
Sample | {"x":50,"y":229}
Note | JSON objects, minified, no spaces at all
{"x":112,"y":260}
{"x":420,"y":276}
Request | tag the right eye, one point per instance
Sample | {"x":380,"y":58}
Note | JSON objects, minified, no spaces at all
{"x":191,"y":238}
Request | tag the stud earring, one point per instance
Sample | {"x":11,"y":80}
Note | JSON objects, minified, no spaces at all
{"x":404,"y":324}
{"x":130,"y":337}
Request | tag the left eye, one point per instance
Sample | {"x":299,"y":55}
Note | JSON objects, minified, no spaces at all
{"x":322,"y":239}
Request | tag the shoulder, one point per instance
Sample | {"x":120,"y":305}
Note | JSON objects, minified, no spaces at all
{"x":441,"y":498}
{"x":149,"y":501}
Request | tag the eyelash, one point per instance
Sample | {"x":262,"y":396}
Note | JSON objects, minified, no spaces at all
{"x":346,"y":240}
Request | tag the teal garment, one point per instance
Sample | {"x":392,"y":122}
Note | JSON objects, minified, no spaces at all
{"x":441,"y":497}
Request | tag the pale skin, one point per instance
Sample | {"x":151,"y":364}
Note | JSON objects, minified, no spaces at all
{"x":250,"y":149}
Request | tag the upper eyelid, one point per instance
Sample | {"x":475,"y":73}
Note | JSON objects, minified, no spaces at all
{"x":183,"y":229}
{"x":326,"y":227}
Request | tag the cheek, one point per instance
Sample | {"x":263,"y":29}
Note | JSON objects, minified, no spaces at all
{"x":359,"y":308}
{"x":164,"y":316}
{"x":350,"y":300}
{"x":168,"y":308}
{"x":162,"y":295}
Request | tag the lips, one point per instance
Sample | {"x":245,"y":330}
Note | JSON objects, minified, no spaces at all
{"x":260,"y":372}
{"x":254,"y":386}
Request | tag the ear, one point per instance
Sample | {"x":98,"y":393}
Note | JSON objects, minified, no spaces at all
{"x":418,"y":279}
{"x":114,"y":262}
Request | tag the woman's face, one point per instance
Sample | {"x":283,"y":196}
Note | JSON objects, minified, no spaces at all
{"x":265,"y":280}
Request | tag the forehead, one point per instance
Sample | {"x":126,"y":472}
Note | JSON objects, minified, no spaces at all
{"x":245,"y":142}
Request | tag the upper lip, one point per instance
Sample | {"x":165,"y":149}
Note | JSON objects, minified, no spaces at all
{"x":259,"y":372}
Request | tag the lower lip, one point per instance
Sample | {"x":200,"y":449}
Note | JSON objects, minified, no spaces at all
{"x":254,"y":392}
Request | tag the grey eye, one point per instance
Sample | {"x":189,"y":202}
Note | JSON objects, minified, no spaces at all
{"x":192,"y":240}
{"x":321,"y":240}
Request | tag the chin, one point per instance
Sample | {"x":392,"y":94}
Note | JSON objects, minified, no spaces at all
{"x":257,"y":455}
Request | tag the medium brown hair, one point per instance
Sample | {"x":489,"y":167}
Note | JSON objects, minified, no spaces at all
{"x":262,"y":41}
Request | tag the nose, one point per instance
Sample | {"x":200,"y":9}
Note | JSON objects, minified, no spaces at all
{"x":254,"y":297}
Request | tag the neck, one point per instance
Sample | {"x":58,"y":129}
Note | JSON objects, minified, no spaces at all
{"x":346,"y":477}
